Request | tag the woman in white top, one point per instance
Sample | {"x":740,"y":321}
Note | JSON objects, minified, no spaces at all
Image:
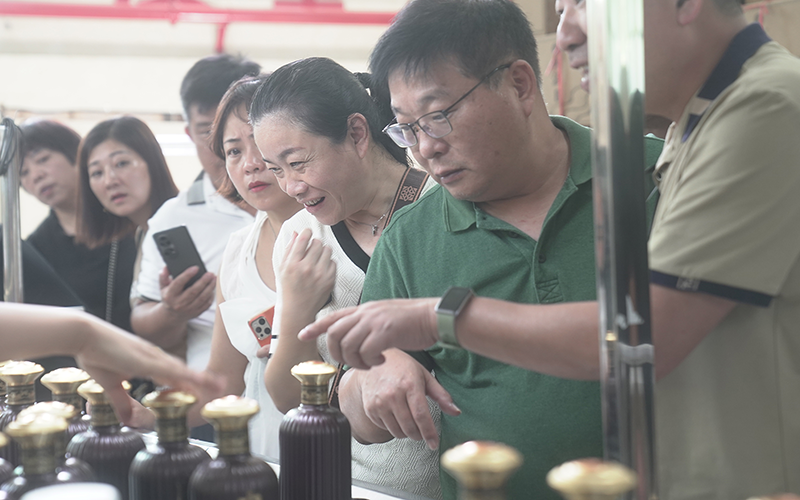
{"x":246,"y":282}
{"x":319,"y":130}
{"x":245,"y":289}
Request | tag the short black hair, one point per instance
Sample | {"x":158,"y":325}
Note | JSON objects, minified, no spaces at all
{"x":208,"y":80}
{"x":476,"y":35}
{"x":49,"y":134}
{"x":320,"y":95}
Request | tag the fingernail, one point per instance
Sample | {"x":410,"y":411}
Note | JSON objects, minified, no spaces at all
{"x":432,"y":445}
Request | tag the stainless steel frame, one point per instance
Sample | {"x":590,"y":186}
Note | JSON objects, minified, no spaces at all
{"x":9,"y":189}
{"x":616,"y":60}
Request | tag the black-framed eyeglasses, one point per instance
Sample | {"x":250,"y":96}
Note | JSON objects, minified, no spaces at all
{"x":435,"y":124}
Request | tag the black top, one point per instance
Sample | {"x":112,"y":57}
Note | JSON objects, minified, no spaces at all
{"x":40,"y":283}
{"x":86,"y":271}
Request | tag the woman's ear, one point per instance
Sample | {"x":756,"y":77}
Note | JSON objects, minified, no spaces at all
{"x":358,"y":133}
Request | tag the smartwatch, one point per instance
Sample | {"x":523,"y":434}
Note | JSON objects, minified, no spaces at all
{"x":451,"y":304}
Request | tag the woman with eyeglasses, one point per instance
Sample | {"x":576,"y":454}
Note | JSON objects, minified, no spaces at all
{"x":319,"y":131}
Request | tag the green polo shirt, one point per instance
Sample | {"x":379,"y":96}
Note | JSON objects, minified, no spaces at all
{"x":439,"y":242}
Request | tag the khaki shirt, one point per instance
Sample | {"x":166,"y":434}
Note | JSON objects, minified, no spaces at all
{"x":728,"y":223}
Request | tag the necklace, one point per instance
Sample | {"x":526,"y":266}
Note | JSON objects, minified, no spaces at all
{"x":375,"y":225}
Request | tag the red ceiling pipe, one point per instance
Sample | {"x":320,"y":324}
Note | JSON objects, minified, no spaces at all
{"x":197,"y":12}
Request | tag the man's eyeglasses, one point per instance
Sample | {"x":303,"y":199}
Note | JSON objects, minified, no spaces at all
{"x":435,"y":123}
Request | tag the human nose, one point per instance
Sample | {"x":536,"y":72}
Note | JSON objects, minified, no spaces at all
{"x":110,"y":177}
{"x":253,"y":162}
{"x":38,"y":174}
{"x":427,"y":147}
{"x":569,"y":34}
{"x":294,"y":186}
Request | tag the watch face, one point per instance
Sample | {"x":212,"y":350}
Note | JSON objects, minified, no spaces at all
{"x":453,"y":298}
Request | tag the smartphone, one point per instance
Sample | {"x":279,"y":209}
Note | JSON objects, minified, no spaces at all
{"x":261,"y":326}
{"x":179,"y":253}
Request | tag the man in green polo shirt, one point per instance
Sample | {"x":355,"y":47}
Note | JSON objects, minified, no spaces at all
{"x":725,"y":267}
{"x":512,"y":220}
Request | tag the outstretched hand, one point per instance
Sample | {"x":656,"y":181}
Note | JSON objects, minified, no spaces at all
{"x":111,"y":355}
{"x":357,"y":336}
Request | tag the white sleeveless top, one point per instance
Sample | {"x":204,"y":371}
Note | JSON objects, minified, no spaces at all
{"x":246,"y":296}
{"x":402,"y":464}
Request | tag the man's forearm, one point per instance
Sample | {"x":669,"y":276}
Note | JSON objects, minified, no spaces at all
{"x":556,"y":339}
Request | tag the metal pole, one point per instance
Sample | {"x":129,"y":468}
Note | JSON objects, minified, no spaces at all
{"x":9,"y":188}
{"x":616,"y":60}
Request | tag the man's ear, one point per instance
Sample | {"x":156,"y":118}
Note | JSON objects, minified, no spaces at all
{"x":687,"y":11}
{"x":358,"y":133}
{"x":189,"y":133}
{"x":526,"y":86}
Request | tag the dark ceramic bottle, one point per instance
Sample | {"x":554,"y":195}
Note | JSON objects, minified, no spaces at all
{"x":481,"y":468}
{"x":235,"y":473}
{"x":64,"y":383}
{"x":6,"y":469}
{"x":35,"y":435}
{"x":163,"y":472}
{"x":315,"y":441}
{"x":107,"y":446}
{"x":591,"y":478}
{"x":71,"y":466}
{"x":20,"y":377}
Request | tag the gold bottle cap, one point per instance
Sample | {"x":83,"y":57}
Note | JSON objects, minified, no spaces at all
{"x":94,"y":392}
{"x":16,"y":373}
{"x":230,"y":412}
{"x":57,"y":408}
{"x":3,"y":440}
{"x":316,"y":373}
{"x":591,"y":476}
{"x":27,"y":428}
{"x":169,"y":403}
{"x":65,"y":380}
{"x":483,"y":465}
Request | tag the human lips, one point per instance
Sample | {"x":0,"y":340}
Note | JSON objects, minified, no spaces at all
{"x":257,"y":186}
{"x":312,"y":203}
{"x":47,"y":190}
{"x":447,"y":176}
{"x":118,"y":198}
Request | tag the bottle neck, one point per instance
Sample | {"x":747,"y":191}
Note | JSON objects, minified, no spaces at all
{"x":103,"y":416}
{"x":70,"y":399}
{"x":38,"y":461}
{"x":21,"y":395}
{"x":234,"y":442}
{"x":314,"y":395}
{"x":172,"y":430}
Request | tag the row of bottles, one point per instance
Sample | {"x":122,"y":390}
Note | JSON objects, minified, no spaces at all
{"x":101,"y":449}
{"x":315,"y":447}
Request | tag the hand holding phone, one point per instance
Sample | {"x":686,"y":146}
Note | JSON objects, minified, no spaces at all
{"x":179,"y":252}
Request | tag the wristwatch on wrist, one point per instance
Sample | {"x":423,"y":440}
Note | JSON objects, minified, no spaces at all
{"x":451,"y":304}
